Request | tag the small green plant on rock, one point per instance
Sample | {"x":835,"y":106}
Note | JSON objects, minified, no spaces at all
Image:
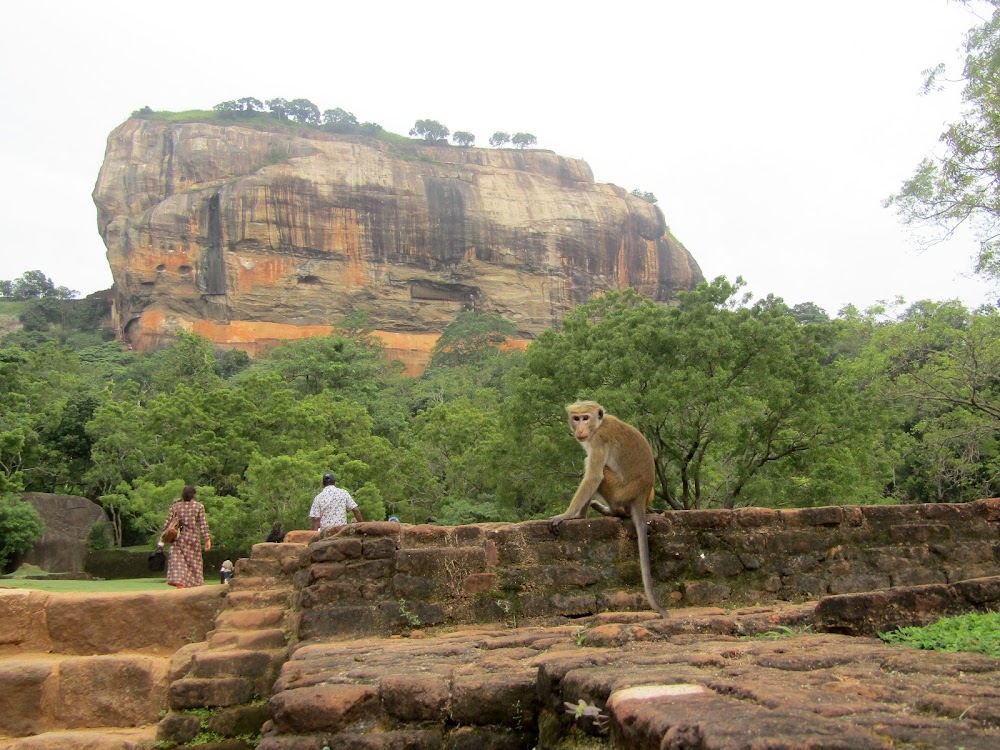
{"x":976,"y":633}
{"x":412,"y":618}
{"x":581,"y":710}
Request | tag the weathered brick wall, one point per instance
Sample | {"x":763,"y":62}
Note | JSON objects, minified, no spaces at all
{"x":384,"y":578}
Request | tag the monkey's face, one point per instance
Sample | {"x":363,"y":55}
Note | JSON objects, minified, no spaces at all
{"x":584,"y":425}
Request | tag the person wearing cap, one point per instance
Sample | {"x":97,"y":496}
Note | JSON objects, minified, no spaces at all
{"x":330,"y":506}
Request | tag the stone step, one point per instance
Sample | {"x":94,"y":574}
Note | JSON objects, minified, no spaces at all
{"x":183,"y":727}
{"x":262,"y":667}
{"x":257,"y":583}
{"x":259,"y":598}
{"x":198,"y":692}
{"x":264,"y":618}
{"x":42,"y":692}
{"x":272,"y":638}
{"x":283,"y":552}
{"x":254,"y":568}
{"x":101,"y":738}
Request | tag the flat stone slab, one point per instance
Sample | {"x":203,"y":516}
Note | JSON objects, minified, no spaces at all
{"x":711,"y":680}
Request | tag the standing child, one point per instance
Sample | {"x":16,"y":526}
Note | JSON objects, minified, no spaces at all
{"x":226,"y":571}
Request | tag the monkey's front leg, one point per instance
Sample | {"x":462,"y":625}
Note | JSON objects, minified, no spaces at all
{"x":570,"y":513}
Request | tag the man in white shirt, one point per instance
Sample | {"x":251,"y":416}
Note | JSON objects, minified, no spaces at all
{"x":330,"y":506}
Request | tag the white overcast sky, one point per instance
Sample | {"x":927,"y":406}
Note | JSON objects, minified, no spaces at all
{"x":770,"y":131}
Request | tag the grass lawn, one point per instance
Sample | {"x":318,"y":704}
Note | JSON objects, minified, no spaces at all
{"x":19,"y":581}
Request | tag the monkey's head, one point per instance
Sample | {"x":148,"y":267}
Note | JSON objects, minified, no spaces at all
{"x":584,"y":419}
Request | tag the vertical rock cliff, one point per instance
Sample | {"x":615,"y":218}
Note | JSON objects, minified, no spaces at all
{"x":250,"y":235}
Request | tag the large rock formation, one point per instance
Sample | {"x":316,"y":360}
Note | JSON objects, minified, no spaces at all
{"x":68,"y":521}
{"x":249,"y":235}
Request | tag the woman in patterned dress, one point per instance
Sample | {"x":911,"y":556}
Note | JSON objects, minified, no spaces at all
{"x":184,"y":565}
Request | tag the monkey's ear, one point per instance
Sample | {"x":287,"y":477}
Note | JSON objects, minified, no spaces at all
{"x":600,"y":413}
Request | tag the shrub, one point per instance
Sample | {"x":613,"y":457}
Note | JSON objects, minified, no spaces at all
{"x":20,"y":527}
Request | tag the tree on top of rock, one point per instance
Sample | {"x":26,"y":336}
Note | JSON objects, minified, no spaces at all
{"x":429,"y":130}
{"x":523,"y":140}
{"x":463,"y":138}
{"x":499,"y":138}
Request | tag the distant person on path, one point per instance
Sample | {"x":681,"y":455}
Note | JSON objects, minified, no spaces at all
{"x":184,"y":565}
{"x":277,"y":533}
{"x":330,"y":506}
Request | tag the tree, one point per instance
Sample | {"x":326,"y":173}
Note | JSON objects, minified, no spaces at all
{"x":940,"y":363}
{"x":499,"y":139}
{"x":648,"y":197}
{"x":32,"y":285}
{"x":279,"y":107}
{"x":303,"y":111}
{"x":737,"y":399}
{"x":369,"y":128}
{"x":249,"y":104}
{"x":339,"y":121}
{"x":429,"y":130}
{"x":20,"y":527}
{"x":470,"y":338}
{"x":463,"y":138}
{"x":245,"y":106}
{"x":963,"y":185}
{"x":523,"y":140}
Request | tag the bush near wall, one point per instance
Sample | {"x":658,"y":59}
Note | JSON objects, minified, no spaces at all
{"x":116,"y":564}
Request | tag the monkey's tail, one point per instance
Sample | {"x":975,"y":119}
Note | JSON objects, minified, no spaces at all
{"x":642,"y":537}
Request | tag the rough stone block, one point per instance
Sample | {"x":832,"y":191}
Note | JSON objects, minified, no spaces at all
{"x":121,"y":691}
{"x":702,"y":520}
{"x":378,"y":547}
{"x":501,"y":698}
{"x":475,"y":738}
{"x":325,"y":592}
{"x":415,"y":697}
{"x":704,"y":592}
{"x":158,"y":622}
{"x":590,"y":530}
{"x":336,"y":550}
{"x":334,"y":620}
{"x":751,"y":518}
{"x":423,"y":536}
{"x":573,"y":604}
{"x":250,"y":619}
{"x":229,"y":662}
{"x":195,"y":692}
{"x":246,"y":567}
{"x":22,"y":697}
{"x":471,"y":535}
{"x":850,"y":584}
{"x":441,"y":563}
{"x":237,"y":720}
{"x":477,"y":583}
{"x":323,"y":708}
{"x":413,"y":587}
{"x":980,"y":592}
{"x":569,"y":576}
{"x":923,"y":533}
{"x":367,"y":569}
{"x":178,"y":727}
{"x":22,"y":619}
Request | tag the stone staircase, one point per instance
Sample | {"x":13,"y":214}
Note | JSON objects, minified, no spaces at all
{"x":91,"y":671}
{"x":219,"y":688}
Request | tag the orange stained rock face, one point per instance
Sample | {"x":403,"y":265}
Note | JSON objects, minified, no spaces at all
{"x":348,"y":237}
{"x":413,"y":350}
{"x":260,"y":272}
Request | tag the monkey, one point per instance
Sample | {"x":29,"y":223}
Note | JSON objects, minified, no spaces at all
{"x":618,"y":477}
